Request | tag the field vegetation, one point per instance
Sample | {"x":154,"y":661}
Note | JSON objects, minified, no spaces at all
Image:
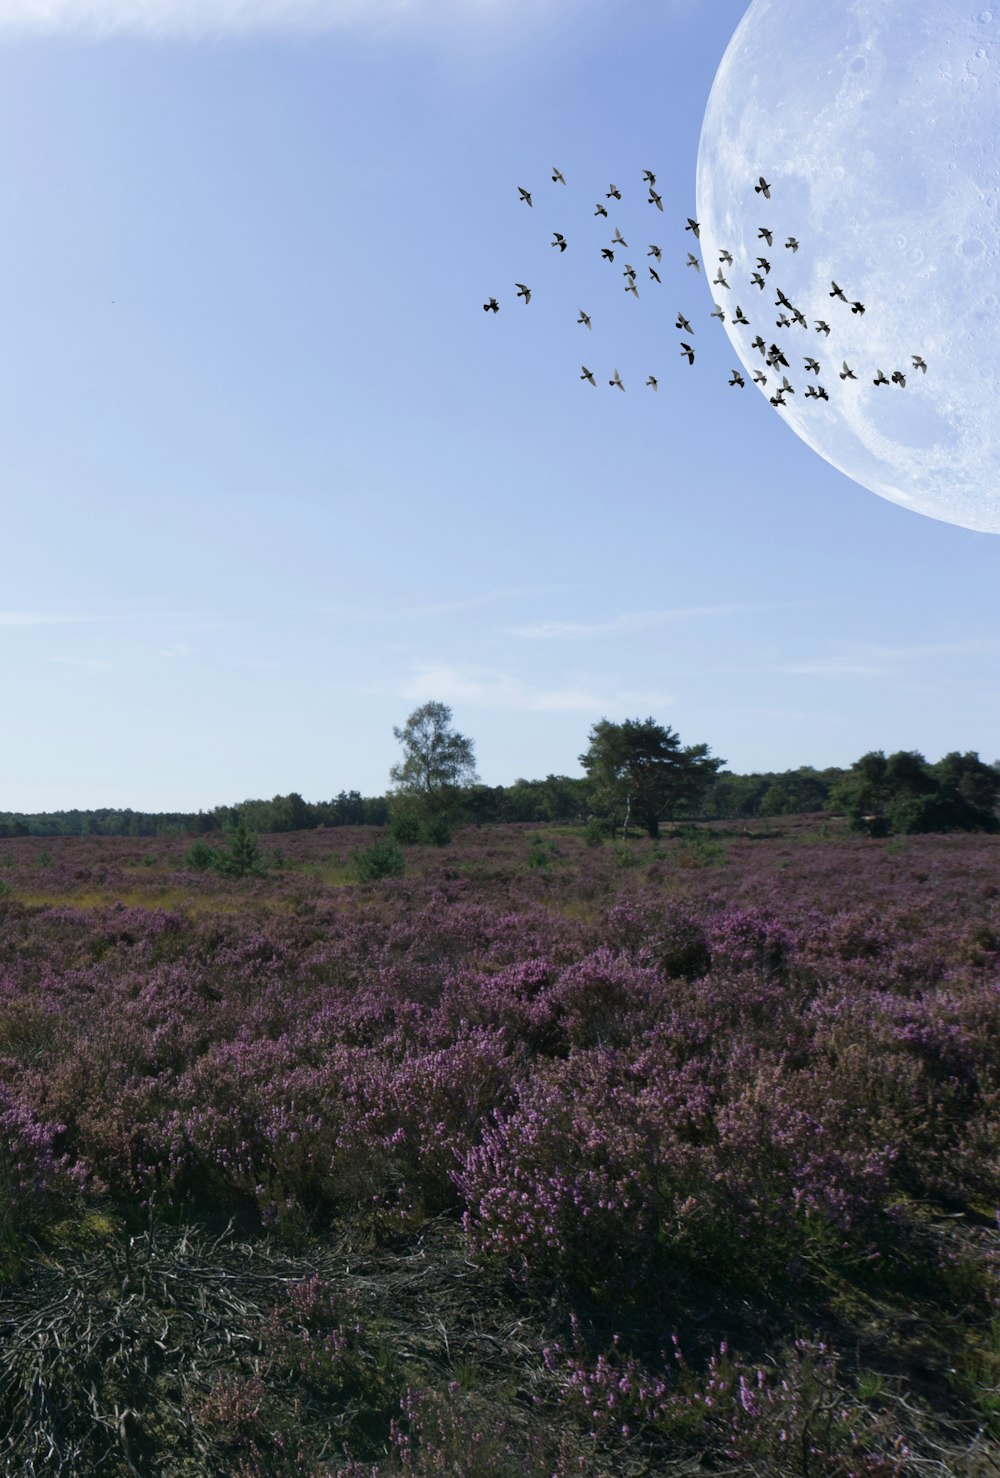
{"x":519,"y":1150}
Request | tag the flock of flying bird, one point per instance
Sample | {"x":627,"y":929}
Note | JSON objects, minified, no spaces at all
{"x":789,"y":316}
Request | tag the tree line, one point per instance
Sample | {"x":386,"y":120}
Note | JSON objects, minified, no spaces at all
{"x":637,"y":774}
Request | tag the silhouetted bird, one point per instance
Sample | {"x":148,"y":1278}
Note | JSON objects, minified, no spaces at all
{"x":523,"y":292}
{"x":653,"y":382}
{"x":759,"y":344}
{"x":588,"y":376}
{"x":693,"y":261}
{"x":816,"y":392}
{"x":777,"y":398}
{"x":740,"y":317}
{"x":492,"y":306}
{"x":683,"y":323}
{"x":524,"y":195}
{"x":737,"y":379}
{"x":880,"y":378}
{"x":727,"y":257}
{"x":630,"y":287}
{"x":800,"y":318}
{"x":558,"y":239}
{"x":837,"y":292}
{"x":648,"y":177}
{"x":783,"y":321}
{"x":618,"y":238}
{"x":719,"y":281}
{"x":607,"y":254}
{"x":584,"y":318}
{"x":781,"y":301}
{"x":764,"y":265}
{"x":847,"y":373}
{"x":654,"y":251}
{"x":759,"y":377}
{"x":822,"y":327}
{"x":857,"y":307}
{"x":687,"y":353}
{"x":812,"y":365}
{"x":763,"y":234}
{"x":654,"y":199}
{"x":616,"y":380}
{"x":557,"y":176}
{"x":792,"y":244}
{"x":693,"y":226}
{"x":779,"y":358}
{"x":629,"y":271}
{"x":613,"y":191}
{"x":762,"y":187}
{"x":757,"y":280}
{"x":718,"y":313}
{"x":918,"y":363}
{"x":898,"y":378}
{"x":601,"y":210}
{"x":655,"y":275}
{"x":786,"y":389}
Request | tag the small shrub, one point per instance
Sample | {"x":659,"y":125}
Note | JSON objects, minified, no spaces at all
{"x":383,"y":859}
{"x":200,"y":855}
{"x":241,"y":857}
{"x":405,"y":828}
{"x":435,"y":831}
{"x":597,"y":831}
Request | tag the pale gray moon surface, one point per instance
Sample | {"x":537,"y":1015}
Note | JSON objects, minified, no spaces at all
{"x":877,"y":124}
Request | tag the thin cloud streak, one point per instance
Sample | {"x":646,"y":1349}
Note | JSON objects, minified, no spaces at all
{"x":870,"y":660}
{"x":194,"y":18}
{"x":629,"y":621}
{"x":485,"y":687}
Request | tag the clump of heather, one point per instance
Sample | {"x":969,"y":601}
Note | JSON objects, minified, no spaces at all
{"x":36,"y":1181}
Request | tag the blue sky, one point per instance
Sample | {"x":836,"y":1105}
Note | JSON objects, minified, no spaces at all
{"x":272,"y":478}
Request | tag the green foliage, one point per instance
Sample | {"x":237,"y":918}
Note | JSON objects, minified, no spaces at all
{"x":435,"y":831}
{"x":383,"y":859}
{"x":200,"y":856}
{"x":405,"y":828}
{"x":639,"y":767}
{"x":597,"y":831}
{"x":437,"y":760}
{"x":901,"y":793}
{"x":700,"y":849}
{"x":241,"y":856}
{"x":541,"y":852}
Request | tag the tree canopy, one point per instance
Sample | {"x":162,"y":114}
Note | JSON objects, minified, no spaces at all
{"x":437,"y":760}
{"x":640,"y":768}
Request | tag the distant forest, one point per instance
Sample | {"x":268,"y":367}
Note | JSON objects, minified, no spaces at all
{"x":878,"y":794}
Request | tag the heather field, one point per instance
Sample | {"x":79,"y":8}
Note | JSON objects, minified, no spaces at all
{"x":543,"y":1158}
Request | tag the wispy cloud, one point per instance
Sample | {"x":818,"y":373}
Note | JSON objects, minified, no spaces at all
{"x":629,"y":621}
{"x":157,"y":18}
{"x":43,"y":618}
{"x":867,"y":659}
{"x":486,"y":687}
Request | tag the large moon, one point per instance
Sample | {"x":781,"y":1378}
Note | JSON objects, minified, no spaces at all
{"x":876,"y":124}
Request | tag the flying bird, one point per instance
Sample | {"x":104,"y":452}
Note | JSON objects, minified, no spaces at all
{"x":779,"y":358}
{"x":693,"y":226}
{"x":492,"y":306}
{"x":648,"y":177}
{"x":880,"y":378}
{"x":654,"y":251}
{"x":629,"y":271}
{"x":693,"y":261}
{"x":792,"y":244}
{"x":655,"y":275}
{"x":781,"y":301}
{"x":727,"y":257}
{"x":837,"y":292}
{"x":786,"y":389}
{"x":616,"y":380}
{"x":762,"y":187}
{"x":822,"y":327}
{"x":719,"y":281}
{"x":601,"y":210}
{"x":758,"y":343}
{"x":918,"y":363}
{"x":763,"y":234}
{"x":857,"y":307}
{"x":898,"y":378}
{"x":558,"y":239}
{"x":764,"y":265}
{"x":584,"y":318}
{"x":524,"y":195}
{"x":783,"y":321}
{"x":588,"y":376}
{"x":687,"y":353}
{"x":800,"y":318}
{"x":737,"y":379}
{"x":630,"y":287}
{"x":614,"y":191}
{"x":523,"y":292}
{"x":654,"y":199}
{"x":618,"y":238}
{"x":757,"y":280}
{"x":777,"y":398}
{"x":557,"y":176}
{"x":847,"y":373}
{"x":683,"y":323}
{"x":740,"y":317}
{"x":607,"y":254}
{"x":812,"y":365}
{"x":718,"y":313}
{"x":653,"y":382}
{"x":759,"y":377}
{"x":816,"y":392}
